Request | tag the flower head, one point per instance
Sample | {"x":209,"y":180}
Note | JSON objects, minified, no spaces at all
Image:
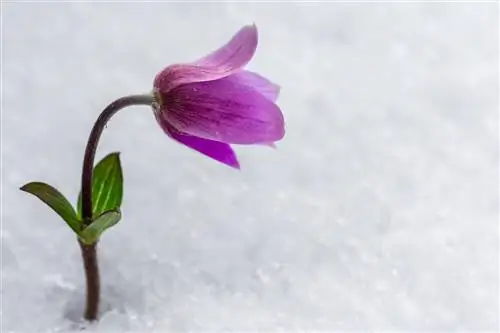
{"x":213,"y":102}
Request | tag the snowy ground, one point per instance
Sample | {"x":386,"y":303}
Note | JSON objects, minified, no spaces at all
{"x":379,"y":210}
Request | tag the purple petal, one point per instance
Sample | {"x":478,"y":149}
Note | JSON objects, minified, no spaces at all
{"x":221,"y":63}
{"x":226,"y":111}
{"x":242,"y":46}
{"x":261,"y":84}
{"x":219,"y":151}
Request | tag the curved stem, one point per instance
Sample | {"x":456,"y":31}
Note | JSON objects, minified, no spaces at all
{"x":95,"y":135}
{"x":89,"y":252}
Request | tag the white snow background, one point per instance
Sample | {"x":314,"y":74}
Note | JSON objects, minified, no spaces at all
{"x":378,"y":211}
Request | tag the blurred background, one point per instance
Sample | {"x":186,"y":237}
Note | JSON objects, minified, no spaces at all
{"x":378,"y":210}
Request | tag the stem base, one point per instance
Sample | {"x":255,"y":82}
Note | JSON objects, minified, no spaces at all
{"x":90,"y":265}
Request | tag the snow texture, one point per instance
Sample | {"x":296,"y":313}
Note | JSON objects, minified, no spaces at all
{"x":378,"y":211}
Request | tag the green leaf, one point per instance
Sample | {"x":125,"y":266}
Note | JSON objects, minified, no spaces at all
{"x":55,"y":200}
{"x":91,"y":234}
{"x":107,"y":186}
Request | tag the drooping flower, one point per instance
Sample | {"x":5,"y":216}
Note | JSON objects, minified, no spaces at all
{"x":213,"y":102}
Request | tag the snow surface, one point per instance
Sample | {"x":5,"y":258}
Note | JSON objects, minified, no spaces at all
{"x":378,"y":211}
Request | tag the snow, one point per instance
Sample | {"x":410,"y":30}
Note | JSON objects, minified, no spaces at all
{"x":378,"y":211}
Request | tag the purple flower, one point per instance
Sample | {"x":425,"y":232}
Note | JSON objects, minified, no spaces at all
{"x":213,"y":102}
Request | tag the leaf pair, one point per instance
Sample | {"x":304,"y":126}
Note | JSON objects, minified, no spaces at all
{"x":107,"y":195}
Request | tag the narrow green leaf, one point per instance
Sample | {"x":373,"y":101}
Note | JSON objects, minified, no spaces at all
{"x":107,"y":186}
{"x":104,"y":221}
{"x":55,"y":200}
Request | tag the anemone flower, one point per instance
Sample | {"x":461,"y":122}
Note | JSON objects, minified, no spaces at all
{"x":213,"y":102}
